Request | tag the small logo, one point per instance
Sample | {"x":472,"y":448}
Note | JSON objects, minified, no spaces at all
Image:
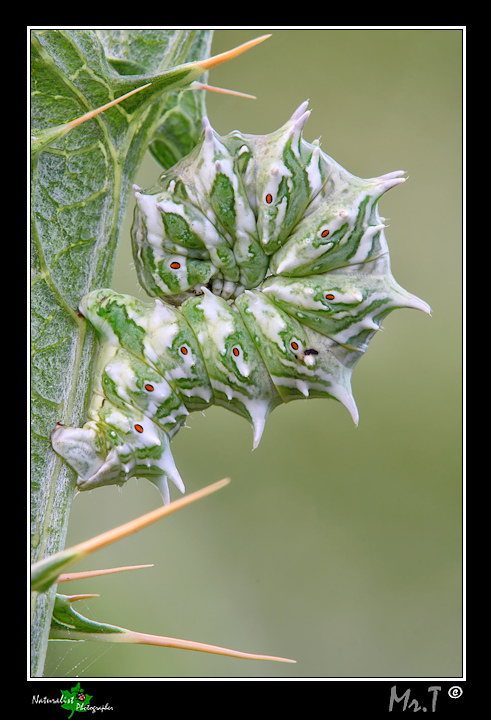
{"x":75,"y":700}
{"x":455,"y":691}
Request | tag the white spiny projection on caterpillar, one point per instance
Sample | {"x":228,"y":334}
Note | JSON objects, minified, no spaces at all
{"x":271,"y":273}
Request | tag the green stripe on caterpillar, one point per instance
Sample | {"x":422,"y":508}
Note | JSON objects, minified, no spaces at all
{"x":270,"y":271}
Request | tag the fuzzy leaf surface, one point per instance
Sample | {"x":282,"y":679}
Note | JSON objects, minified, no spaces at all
{"x":80,"y":186}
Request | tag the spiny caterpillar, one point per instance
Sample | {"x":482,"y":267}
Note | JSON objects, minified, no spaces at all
{"x":271,"y":274}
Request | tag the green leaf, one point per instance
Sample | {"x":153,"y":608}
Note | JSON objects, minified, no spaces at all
{"x":81,"y":175}
{"x":80,"y":185}
{"x":180,"y":127}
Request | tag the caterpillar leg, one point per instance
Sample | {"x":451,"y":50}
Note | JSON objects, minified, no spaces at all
{"x":104,"y":454}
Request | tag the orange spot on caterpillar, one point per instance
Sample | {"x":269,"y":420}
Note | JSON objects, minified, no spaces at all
{"x":236,"y":352}
{"x":138,"y":428}
{"x":149,"y":387}
{"x":175,"y":265}
{"x":324,"y":233}
{"x":329,"y":296}
{"x":294,"y":345}
{"x":184,"y":350}
{"x":269,"y":198}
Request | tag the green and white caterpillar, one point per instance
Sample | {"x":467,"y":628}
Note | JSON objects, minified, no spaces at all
{"x":271,"y":273}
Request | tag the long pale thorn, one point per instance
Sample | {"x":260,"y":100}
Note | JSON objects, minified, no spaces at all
{"x":44,"y":138}
{"x":230,"y":54}
{"x":100,"y":541}
{"x":68,"y":624}
{"x":97,"y":111}
{"x":224,"y":91}
{"x":84,"y":574}
{"x":46,"y":571}
{"x":161,"y":641}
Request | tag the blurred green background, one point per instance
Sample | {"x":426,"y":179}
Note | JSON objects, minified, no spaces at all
{"x":334,"y":545}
